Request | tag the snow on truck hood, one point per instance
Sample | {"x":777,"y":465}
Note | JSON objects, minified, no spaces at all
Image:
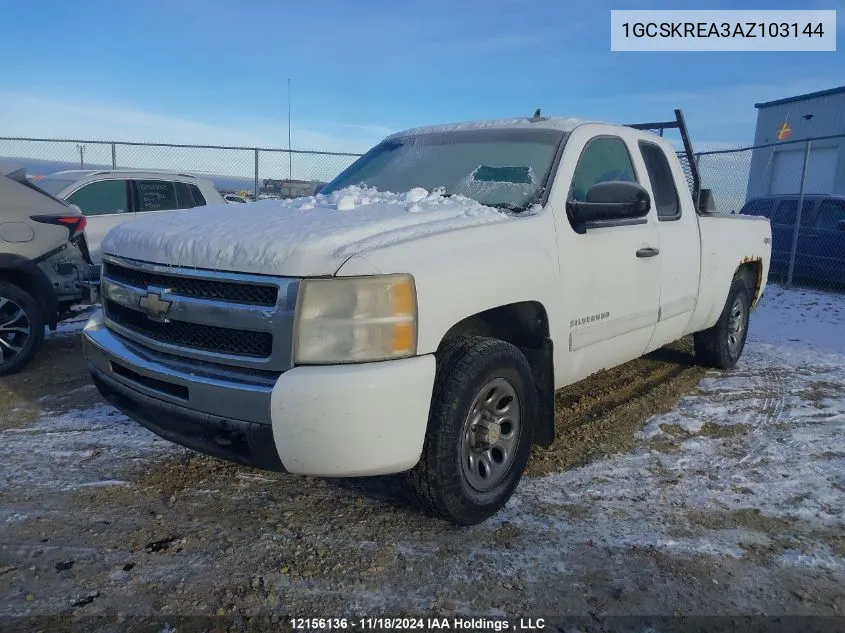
{"x":299,"y":237}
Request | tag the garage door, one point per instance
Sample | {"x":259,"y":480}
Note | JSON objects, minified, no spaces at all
{"x":787,"y":166}
{"x":821,"y":170}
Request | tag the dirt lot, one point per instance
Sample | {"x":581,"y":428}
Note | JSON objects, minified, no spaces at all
{"x":669,"y":490}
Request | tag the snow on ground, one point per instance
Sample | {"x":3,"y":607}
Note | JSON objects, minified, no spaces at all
{"x":74,"y":324}
{"x":755,"y":459}
{"x":801,"y":319}
{"x":76,"y":449}
{"x":758,"y":448}
{"x":308,"y":236}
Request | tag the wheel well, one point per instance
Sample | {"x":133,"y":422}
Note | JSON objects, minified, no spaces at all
{"x":525,"y":325}
{"x":751,"y":271}
{"x":30,"y":285}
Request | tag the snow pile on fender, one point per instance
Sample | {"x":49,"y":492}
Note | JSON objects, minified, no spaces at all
{"x":303,"y":236}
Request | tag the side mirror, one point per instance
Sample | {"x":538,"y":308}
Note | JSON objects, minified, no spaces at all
{"x":611,"y":203}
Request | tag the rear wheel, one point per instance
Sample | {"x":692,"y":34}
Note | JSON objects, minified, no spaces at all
{"x":21,"y":328}
{"x":722,"y":345}
{"x":480,"y":431}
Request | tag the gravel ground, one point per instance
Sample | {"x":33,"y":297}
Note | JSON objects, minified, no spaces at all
{"x":669,"y":491}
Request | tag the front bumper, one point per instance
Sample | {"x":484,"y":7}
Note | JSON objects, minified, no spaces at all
{"x":353,"y":420}
{"x":339,"y":421}
{"x":247,"y":443}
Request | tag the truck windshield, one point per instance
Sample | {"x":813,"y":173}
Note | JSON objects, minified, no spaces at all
{"x":508,"y":169}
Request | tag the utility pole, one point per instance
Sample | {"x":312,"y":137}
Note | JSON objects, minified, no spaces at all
{"x":81,"y":149}
{"x":290,"y":154}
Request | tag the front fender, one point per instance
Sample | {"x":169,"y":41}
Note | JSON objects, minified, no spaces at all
{"x":465,"y":272}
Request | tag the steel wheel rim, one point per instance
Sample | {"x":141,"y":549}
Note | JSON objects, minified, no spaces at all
{"x":736,"y":325}
{"x":490,"y":434}
{"x":15,"y":329}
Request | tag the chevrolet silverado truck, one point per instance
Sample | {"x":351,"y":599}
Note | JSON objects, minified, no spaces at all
{"x":417,"y":315}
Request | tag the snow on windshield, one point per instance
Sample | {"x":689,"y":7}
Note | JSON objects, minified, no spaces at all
{"x":503,"y":169}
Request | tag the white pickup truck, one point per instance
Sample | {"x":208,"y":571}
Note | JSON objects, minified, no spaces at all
{"x":363,"y":331}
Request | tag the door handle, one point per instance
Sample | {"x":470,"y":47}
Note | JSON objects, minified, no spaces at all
{"x":648,"y":252}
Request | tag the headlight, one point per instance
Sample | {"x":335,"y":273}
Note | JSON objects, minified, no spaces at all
{"x":355,"y":319}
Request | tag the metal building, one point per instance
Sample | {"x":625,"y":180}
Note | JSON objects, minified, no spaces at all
{"x":782,"y":127}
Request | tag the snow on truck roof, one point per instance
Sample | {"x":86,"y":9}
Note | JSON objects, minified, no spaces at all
{"x":561,"y":124}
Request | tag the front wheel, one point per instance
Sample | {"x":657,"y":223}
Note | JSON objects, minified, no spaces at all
{"x":722,"y":345}
{"x":480,"y":431}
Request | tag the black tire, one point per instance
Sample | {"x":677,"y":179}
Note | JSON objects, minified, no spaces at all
{"x":721,"y":346}
{"x":14,"y":300}
{"x":441,"y":482}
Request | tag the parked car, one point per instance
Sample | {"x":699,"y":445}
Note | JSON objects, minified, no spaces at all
{"x":110,"y":197}
{"x":820,"y":252}
{"x":366,"y":332}
{"x":234,"y":198}
{"x":44,"y":266}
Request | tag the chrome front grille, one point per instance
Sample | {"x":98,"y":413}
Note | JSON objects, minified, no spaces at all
{"x":192,"y":335}
{"x":249,"y":293}
{"x":232,"y":319}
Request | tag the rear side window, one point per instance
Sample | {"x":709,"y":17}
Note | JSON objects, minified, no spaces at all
{"x":787,"y":210}
{"x":104,"y":197}
{"x":156,"y":195}
{"x":762,"y":208}
{"x":184,"y":199}
{"x":199,"y":199}
{"x":604,"y":159}
{"x":831,"y":213}
{"x":662,"y":182}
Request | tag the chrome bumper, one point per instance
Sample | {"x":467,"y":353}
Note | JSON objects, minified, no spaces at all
{"x":217,"y":391}
{"x":222,"y":415}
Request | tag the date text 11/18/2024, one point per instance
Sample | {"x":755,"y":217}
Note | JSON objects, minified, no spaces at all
{"x":416,"y":624}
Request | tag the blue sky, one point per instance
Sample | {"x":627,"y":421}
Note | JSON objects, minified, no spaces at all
{"x":215,"y":71}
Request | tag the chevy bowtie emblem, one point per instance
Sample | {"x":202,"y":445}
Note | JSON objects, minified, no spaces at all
{"x":155,"y":307}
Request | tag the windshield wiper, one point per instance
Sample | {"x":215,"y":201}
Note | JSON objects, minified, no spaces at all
{"x":507,"y":206}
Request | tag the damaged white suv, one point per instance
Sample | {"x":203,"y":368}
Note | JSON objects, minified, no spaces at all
{"x":363,"y":332}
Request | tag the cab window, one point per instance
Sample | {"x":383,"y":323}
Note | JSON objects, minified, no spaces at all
{"x":604,"y":159}
{"x":662,"y":182}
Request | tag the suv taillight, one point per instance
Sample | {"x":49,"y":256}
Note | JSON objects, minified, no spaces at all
{"x":75,"y":223}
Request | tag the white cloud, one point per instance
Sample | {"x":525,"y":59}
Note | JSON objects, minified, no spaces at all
{"x":33,"y":115}
{"x":26,"y":115}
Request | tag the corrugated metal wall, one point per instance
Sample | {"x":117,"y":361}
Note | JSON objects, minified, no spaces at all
{"x":778,"y":169}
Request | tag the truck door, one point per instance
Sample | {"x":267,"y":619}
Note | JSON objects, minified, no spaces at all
{"x":610,"y":274}
{"x":680,"y":247}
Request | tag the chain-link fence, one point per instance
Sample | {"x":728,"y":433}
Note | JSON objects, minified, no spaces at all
{"x":254,"y":171}
{"x":800,"y":186}
{"x":769,"y":180}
